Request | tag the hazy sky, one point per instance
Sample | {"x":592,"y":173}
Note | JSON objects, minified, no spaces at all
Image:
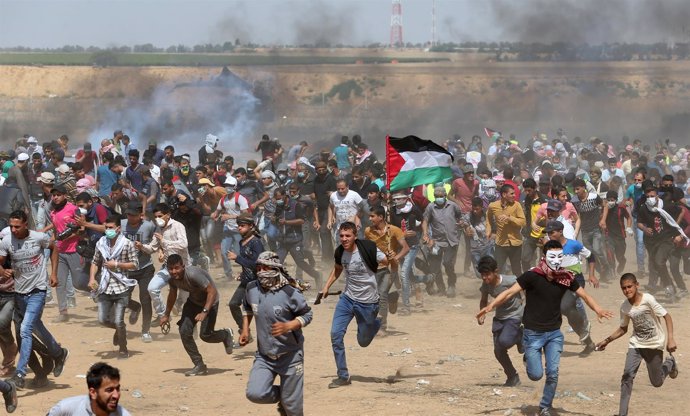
{"x":53,"y":23}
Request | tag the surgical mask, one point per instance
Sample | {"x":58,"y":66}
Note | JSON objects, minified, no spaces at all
{"x":554,"y":259}
{"x":400,"y":202}
{"x":301,"y":174}
{"x":294,"y":196}
{"x":612,"y":204}
{"x":651,"y":201}
{"x":110,"y":234}
{"x":83,"y":211}
{"x":440,"y":201}
{"x":230,"y":190}
{"x":160,"y":222}
{"x":282,"y":177}
{"x":638,"y":185}
{"x":280,"y":202}
{"x":201,"y":190}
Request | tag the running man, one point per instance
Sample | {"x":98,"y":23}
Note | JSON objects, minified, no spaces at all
{"x":648,"y":340}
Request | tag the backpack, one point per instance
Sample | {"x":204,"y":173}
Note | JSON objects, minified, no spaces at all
{"x":367,"y":251}
{"x":237,"y":201}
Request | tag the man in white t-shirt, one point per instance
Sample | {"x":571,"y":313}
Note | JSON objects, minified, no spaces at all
{"x":648,"y":340}
{"x":345,"y":205}
{"x":229,"y":208}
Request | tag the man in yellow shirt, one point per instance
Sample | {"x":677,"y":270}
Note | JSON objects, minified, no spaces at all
{"x":504,"y":221}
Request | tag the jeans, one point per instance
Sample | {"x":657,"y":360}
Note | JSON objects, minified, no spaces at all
{"x":296,"y":250}
{"x":384,"y":283}
{"x":207,"y":331}
{"x":514,"y":253}
{"x":235,"y":304}
{"x":552,"y":344}
{"x":447,"y":257}
{"x":70,"y":264}
{"x":271,"y":232}
{"x":529,"y":252}
{"x":115,"y":304}
{"x":506,"y":333}
{"x":143,"y":277}
{"x":407,"y":277}
{"x":577,"y":317}
{"x":479,"y":252}
{"x":158,"y":281}
{"x":7,"y":344}
{"x":231,"y":242}
{"x":367,"y":327}
{"x":655,"y":368}
{"x":659,"y":254}
{"x":28,"y":309}
{"x":326,"y":240}
{"x":674,"y":263}
{"x":617,"y":246}
{"x":593,"y":240}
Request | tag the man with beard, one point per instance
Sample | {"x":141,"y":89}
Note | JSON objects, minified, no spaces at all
{"x":250,"y":248}
{"x":154,"y":153}
{"x":544,"y":286}
{"x":532,"y":232}
{"x":103,"y":398}
{"x":359,"y":182}
{"x":504,"y":221}
{"x":201,"y":306}
{"x":133,"y":173}
{"x":324,"y":186}
{"x":281,"y":312}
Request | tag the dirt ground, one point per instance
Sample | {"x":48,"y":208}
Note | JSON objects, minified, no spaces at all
{"x":437,"y":361}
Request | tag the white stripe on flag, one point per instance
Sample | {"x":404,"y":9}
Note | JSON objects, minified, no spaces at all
{"x":424,"y":159}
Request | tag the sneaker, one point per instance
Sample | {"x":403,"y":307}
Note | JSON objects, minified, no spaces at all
{"x":520,"y":347}
{"x":450,"y":292}
{"x":405,"y":311}
{"x":134,"y":315}
{"x":39,"y":382}
{"x":590,"y":347}
{"x":512,"y":381}
{"x":339,"y":382}
{"x":60,"y":363}
{"x":681,"y":294}
{"x":546,"y":411}
{"x":17,"y":380}
{"x":155,"y":323}
{"x":50,"y":301}
{"x":198,"y":370}
{"x":670,"y":293}
{"x":146,"y":338}
{"x":123,"y":354}
{"x":10,"y":398}
{"x":71,"y":302}
{"x":228,"y":341}
{"x":674,"y":368}
{"x":61,"y":318}
{"x":115,"y":341}
{"x":393,"y":301}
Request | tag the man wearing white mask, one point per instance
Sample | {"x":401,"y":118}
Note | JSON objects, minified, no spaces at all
{"x":660,"y":233}
{"x":229,"y":208}
{"x":33,"y":146}
{"x":545,"y":286}
{"x":170,"y":238}
{"x":115,"y":255}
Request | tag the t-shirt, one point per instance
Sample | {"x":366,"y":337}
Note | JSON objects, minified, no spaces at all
{"x":195,"y":281}
{"x":89,"y":158}
{"x":267,"y":148}
{"x":543,"y":301}
{"x":341,"y":156}
{"x":106,"y":179}
{"x":511,"y":309}
{"x":80,"y":406}
{"x":28,"y":260}
{"x":322,"y":188}
{"x":60,"y":219}
{"x":464,"y":193}
{"x":572,"y":251}
{"x":360,"y":282}
{"x":660,"y":229}
{"x":345,"y":207}
{"x":143,"y":233}
{"x":228,"y":205}
{"x":589,"y":211}
{"x":648,"y":332}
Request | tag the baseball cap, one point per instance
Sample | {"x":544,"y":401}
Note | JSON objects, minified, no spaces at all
{"x":22,"y":157}
{"x":205,"y":181}
{"x":468,"y":169}
{"x":63,"y":168}
{"x":46,"y":177}
{"x":554,"y":205}
{"x":59,"y":189}
{"x":231,"y":181}
{"x":32,"y":139}
{"x":134,"y":208}
{"x":554,"y":226}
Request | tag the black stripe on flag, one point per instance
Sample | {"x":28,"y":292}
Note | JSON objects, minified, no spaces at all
{"x":415,"y":144}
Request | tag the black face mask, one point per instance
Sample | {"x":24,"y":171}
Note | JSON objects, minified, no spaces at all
{"x":59,"y":207}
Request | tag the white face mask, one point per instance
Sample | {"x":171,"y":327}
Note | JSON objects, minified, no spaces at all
{"x":83,"y":211}
{"x":399,"y":202}
{"x":612,"y":204}
{"x":554,"y":258}
{"x":160,"y":222}
{"x":651,"y":201}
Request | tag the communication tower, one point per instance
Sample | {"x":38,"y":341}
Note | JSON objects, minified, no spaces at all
{"x":396,"y":25}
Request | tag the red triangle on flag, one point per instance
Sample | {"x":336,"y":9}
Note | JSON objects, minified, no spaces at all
{"x":490,"y":133}
{"x":394,"y":163}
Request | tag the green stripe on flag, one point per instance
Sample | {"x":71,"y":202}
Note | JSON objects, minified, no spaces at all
{"x":420,"y":176}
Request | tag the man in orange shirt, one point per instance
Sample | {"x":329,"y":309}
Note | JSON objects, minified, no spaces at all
{"x":504,"y":221}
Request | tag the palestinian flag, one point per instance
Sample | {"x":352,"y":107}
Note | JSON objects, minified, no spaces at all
{"x":490,"y":133}
{"x":411,"y":161}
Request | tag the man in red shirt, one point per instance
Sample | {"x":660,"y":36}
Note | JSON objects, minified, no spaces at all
{"x":86,"y":157}
{"x":463,"y":190}
{"x":508,"y":175}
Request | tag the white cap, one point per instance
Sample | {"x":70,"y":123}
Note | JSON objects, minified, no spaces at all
{"x":46,"y":177}
{"x":31,"y":139}
{"x":268,"y":174}
{"x":63,"y":168}
{"x":22,"y":157}
{"x":230,"y":180}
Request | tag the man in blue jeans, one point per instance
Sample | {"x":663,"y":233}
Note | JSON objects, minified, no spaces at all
{"x":26,"y":249}
{"x":360,"y":299}
{"x":545,"y":286}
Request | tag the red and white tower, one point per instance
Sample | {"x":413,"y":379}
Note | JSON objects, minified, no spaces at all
{"x":396,"y":25}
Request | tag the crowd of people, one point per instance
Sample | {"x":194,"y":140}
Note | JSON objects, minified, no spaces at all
{"x":534,"y":216}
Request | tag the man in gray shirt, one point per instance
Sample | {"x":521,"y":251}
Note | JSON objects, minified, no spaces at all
{"x":201,"y":306}
{"x":440,"y":233}
{"x":507,"y":323}
{"x":359,"y":259}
